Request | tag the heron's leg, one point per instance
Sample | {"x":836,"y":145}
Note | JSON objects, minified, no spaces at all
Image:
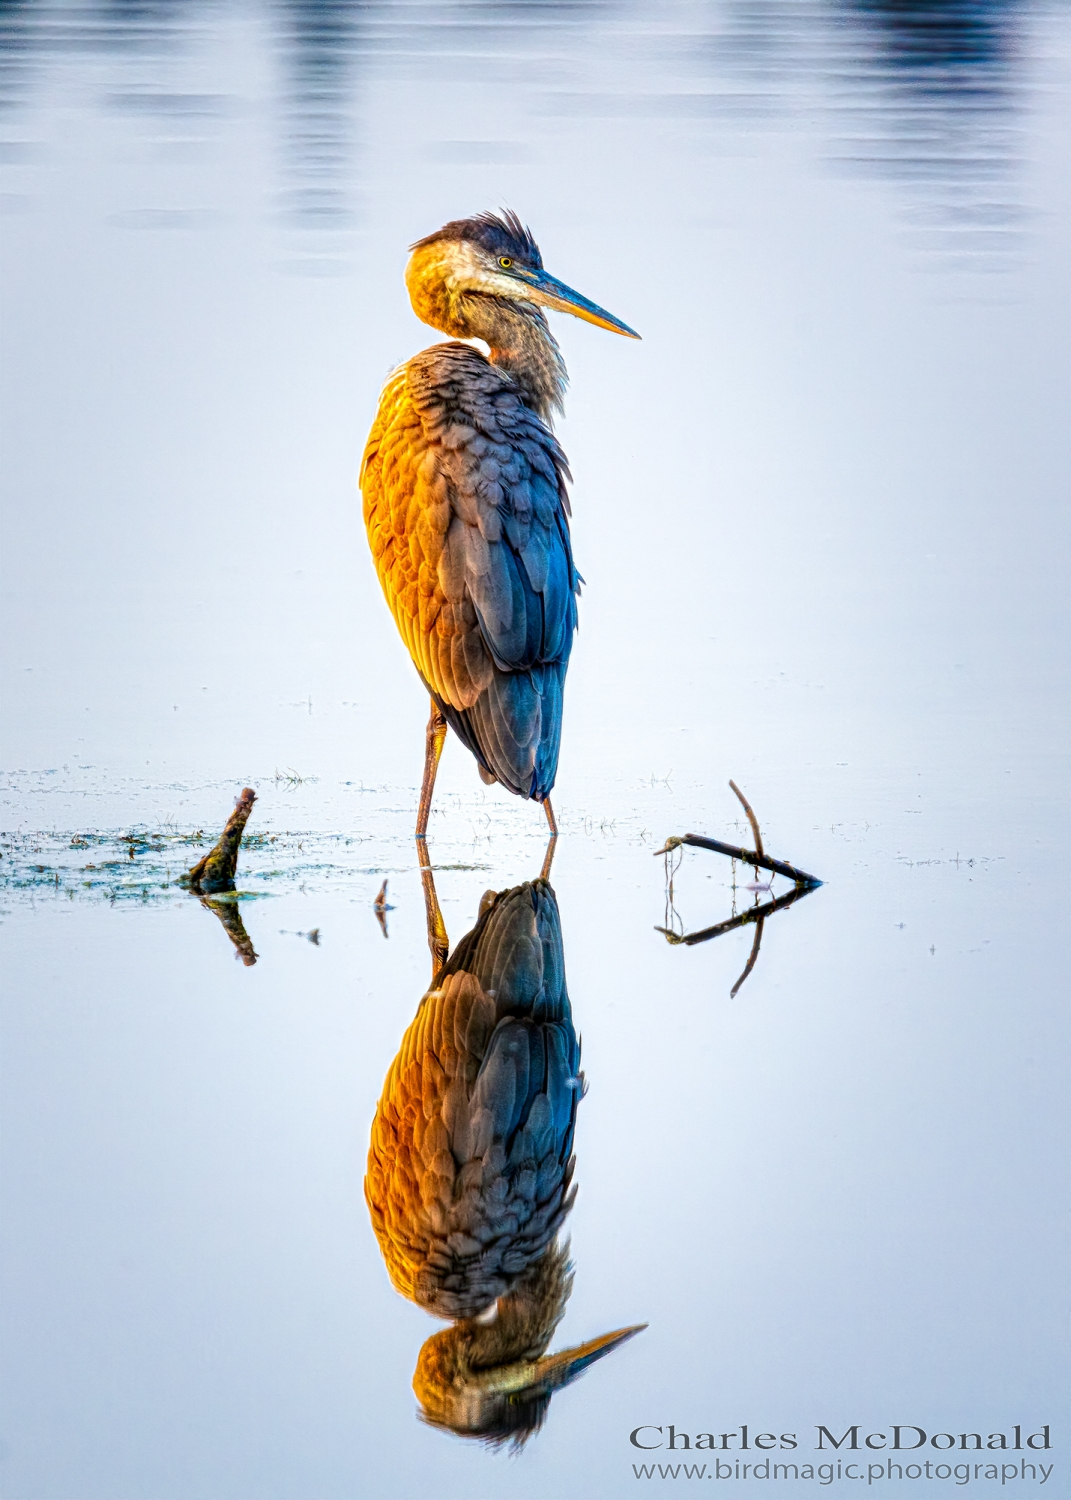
{"x":551,"y":823}
{"x":434,"y":739}
{"x":438,"y":942}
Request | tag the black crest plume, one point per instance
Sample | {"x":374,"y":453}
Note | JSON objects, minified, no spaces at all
{"x":500,"y":234}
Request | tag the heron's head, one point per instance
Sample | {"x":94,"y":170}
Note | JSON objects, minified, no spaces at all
{"x":489,"y":257}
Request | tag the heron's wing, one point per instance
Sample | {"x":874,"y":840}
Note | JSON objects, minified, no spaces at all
{"x":407,"y":513}
{"x":467,"y":513}
{"x":412,"y":1170}
{"x":507,"y":545}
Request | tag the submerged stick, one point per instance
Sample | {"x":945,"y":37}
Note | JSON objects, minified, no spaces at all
{"x":215,"y":873}
{"x":748,"y":856}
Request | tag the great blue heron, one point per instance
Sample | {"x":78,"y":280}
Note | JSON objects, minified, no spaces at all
{"x":466,"y":505}
{"x":470,"y":1167}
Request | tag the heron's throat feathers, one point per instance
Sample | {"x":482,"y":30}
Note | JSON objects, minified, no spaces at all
{"x":523,"y":346}
{"x":450,"y":291}
{"x":474,"y":1349}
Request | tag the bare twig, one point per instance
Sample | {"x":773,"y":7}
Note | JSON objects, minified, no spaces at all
{"x":749,"y":857}
{"x":746,"y":805}
{"x":215,"y":873}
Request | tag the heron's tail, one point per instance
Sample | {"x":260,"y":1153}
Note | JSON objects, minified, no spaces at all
{"x":514,"y":728}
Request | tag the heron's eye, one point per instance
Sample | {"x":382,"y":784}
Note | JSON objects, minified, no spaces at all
{"x":505,"y":262}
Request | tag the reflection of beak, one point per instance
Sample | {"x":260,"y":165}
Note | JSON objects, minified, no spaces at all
{"x":553,"y":1371}
{"x":551,"y":292}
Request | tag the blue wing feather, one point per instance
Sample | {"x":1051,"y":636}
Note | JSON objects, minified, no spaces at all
{"x":509,"y":549}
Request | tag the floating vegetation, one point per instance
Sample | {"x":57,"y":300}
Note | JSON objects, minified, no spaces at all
{"x":153,"y":865}
{"x":290,"y":777}
{"x":312,"y":936}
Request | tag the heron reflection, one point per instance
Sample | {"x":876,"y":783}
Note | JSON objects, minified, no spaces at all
{"x":470,"y":1167}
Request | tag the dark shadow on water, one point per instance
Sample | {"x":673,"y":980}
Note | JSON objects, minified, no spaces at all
{"x":322,"y":48}
{"x":929,"y":96}
{"x":939,"y":96}
{"x":926,"y":95}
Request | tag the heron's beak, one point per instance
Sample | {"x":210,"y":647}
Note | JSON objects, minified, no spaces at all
{"x":554,"y":1371}
{"x":550,"y":292}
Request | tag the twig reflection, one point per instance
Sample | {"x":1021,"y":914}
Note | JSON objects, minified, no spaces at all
{"x":752,"y":956}
{"x":673,"y":860}
{"x":754,"y":914}
{"x":231,"y":921}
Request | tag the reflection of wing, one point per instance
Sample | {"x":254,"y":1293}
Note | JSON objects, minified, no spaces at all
{"x":467,"y":515}
{"x":470,"y":1161}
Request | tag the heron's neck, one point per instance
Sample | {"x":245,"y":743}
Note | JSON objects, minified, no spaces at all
{"x":527,"y":1316}
{"x":522,"y":345}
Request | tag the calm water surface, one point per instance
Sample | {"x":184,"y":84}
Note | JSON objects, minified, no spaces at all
{"x":822,"y":514}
